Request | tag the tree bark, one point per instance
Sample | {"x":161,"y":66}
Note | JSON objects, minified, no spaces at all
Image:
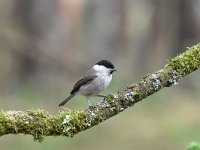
{"x":40,"y":123}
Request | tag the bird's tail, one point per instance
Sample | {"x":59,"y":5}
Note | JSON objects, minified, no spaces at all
{"x":66,"y":100}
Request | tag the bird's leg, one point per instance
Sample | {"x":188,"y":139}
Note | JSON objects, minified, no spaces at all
{"x":102,"y":96}
{"x":87,"y":98}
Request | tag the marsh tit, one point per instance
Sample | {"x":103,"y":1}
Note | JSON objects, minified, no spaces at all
{"x":94,"y":82}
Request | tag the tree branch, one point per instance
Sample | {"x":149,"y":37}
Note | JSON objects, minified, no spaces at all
{"x":40,"y":123}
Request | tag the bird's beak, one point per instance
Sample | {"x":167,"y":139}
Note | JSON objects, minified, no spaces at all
{"x":113,"y":70}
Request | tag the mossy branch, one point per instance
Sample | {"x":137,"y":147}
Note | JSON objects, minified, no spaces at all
{"x":40,"y":123}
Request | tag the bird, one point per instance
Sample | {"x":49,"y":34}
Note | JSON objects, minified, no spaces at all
{"x":96,"y":79}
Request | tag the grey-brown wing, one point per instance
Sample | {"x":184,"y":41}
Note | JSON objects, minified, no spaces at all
{"x":82,"y":81}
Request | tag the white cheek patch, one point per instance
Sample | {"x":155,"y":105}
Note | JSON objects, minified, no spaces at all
{"x":100,"y":68}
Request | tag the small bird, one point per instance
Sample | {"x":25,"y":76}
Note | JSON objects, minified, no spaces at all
{"x":94,"y":82}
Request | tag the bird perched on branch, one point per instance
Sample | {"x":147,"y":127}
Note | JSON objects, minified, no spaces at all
{"x":94,"y":82}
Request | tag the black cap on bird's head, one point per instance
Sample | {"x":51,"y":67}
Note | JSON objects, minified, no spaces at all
{"x":106,"y":64}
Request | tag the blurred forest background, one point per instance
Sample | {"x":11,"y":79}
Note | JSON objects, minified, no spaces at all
{"x":46,"y":45}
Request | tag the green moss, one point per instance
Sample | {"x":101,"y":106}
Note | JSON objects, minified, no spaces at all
{"x":71,"y":122}
{"x":110,"y":99}
{"x":188,"y":61}
{"x":163,"y":74}
{"x":137,"y":95}
{"x":68,"y":122}
{"x":34,"y":122}
{"x":2,"y":125}
{"x":6,"y":125}
{"x":194,"y":146}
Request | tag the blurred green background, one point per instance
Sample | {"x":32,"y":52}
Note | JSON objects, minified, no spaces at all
{"x":46,"y":45}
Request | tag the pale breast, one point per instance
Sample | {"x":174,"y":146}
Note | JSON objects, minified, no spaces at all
{"x":96,"y":86}
{"x":107,"y":81}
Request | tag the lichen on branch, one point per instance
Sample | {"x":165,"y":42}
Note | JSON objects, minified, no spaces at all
{"x":40,"y":123}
